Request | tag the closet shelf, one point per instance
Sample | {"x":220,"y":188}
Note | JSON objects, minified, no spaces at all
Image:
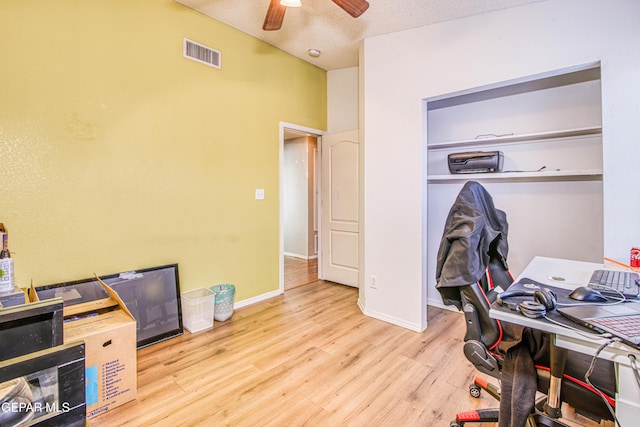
{"x":525,"y":137}
{"x":560,"y":175}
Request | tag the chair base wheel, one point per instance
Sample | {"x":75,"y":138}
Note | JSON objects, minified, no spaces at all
{"x":474,"y":390}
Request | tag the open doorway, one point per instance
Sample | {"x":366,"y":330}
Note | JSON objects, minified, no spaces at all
{"x":299,"y":182}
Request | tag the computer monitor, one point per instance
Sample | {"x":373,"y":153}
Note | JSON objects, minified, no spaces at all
{"x":152,"y":295}
{"x":73,"y":293}
{"x":27,"y":328}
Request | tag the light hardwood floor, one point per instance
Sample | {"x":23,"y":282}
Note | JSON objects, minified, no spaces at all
{"x":298,"y":272}
{"x":307,"y":357}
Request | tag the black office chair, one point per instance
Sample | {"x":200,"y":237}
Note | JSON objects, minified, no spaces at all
{"x":471,"y":269}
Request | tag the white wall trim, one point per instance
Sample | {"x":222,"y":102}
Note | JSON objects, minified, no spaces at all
{"x":295,"y":255}
{"x":256,"y":299}
{"x":395,"y":320}
{"x":304,"y":257}
{"x":315,"y":132}
{"x":440,"y":304}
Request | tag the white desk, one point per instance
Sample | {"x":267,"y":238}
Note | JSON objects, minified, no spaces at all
{"x":551,"y":271}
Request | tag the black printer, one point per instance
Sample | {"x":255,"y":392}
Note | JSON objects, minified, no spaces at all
{"x":475,"y":162}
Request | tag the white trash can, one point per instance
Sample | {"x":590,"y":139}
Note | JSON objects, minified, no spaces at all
{"x":198,"y":309}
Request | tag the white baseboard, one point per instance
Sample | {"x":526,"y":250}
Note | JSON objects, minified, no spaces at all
{"x":440,"y":304}
{"x":307,"y":258}
{"x":256,"y":299}
{"x":400,"y":322}
{"x":294,"y":255}
{"x":393,"y":320}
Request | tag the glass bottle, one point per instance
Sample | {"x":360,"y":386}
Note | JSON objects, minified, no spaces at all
{"x":6,"y":271}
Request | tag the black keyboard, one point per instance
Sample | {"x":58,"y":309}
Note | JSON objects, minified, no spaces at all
{"x":625,"y":282}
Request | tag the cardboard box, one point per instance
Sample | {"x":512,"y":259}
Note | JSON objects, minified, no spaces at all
{"x":109,"y":332}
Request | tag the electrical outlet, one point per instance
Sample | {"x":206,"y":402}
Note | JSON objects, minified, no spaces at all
{"x":374,"y":282}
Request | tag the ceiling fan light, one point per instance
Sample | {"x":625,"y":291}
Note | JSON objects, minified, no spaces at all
{"x":291,"y":3}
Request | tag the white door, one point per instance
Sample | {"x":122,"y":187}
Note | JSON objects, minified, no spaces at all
{"x":339,"y":226}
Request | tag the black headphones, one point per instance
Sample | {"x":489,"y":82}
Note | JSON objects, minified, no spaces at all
{"x":543,"y":300}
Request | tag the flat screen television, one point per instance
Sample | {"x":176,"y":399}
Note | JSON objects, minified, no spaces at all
{"x":152,"y":295}
{"x":27,"y":328}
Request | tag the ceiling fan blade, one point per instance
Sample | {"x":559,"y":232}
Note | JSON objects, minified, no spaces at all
{"x":275,"y":16}
{"x":354,"y":8}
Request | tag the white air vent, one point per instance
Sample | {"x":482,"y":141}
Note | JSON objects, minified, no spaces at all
{"x":203,"y":54}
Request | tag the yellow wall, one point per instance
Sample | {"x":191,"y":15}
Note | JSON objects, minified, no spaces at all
{"x":117,"y":153}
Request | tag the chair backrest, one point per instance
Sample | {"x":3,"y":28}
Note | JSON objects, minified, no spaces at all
{"x":472,"y":260}
{"x":476,"y":301}
{"x":471,"y":263}
{"x":474,"y":239}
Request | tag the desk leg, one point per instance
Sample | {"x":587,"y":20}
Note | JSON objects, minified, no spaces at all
{"x":558,"y":360}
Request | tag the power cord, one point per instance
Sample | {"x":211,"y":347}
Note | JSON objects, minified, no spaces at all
{"x":590,"y":371}
{"x":533,"y":170}
{"x":492,"y":135}
{"x":590,"y":335}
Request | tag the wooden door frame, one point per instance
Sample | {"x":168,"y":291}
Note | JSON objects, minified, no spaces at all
{"x":318,"y":134}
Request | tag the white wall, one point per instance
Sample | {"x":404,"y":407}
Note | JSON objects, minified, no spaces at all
{"x":546,"y":217}
{"x":472,"y":52}
{"x":342,"y":100}
{"x":312,"y":199}
{"x":296,"y":198}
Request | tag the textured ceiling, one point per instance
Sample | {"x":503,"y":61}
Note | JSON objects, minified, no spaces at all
{"x":322,"y":25}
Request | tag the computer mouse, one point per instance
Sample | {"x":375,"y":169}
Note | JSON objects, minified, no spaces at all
{"x":586,"y":294}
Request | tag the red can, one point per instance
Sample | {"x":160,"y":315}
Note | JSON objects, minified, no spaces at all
{"x":635,"y":257}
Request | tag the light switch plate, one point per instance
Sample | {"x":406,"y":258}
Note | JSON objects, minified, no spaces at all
{"x":259,"y":193}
